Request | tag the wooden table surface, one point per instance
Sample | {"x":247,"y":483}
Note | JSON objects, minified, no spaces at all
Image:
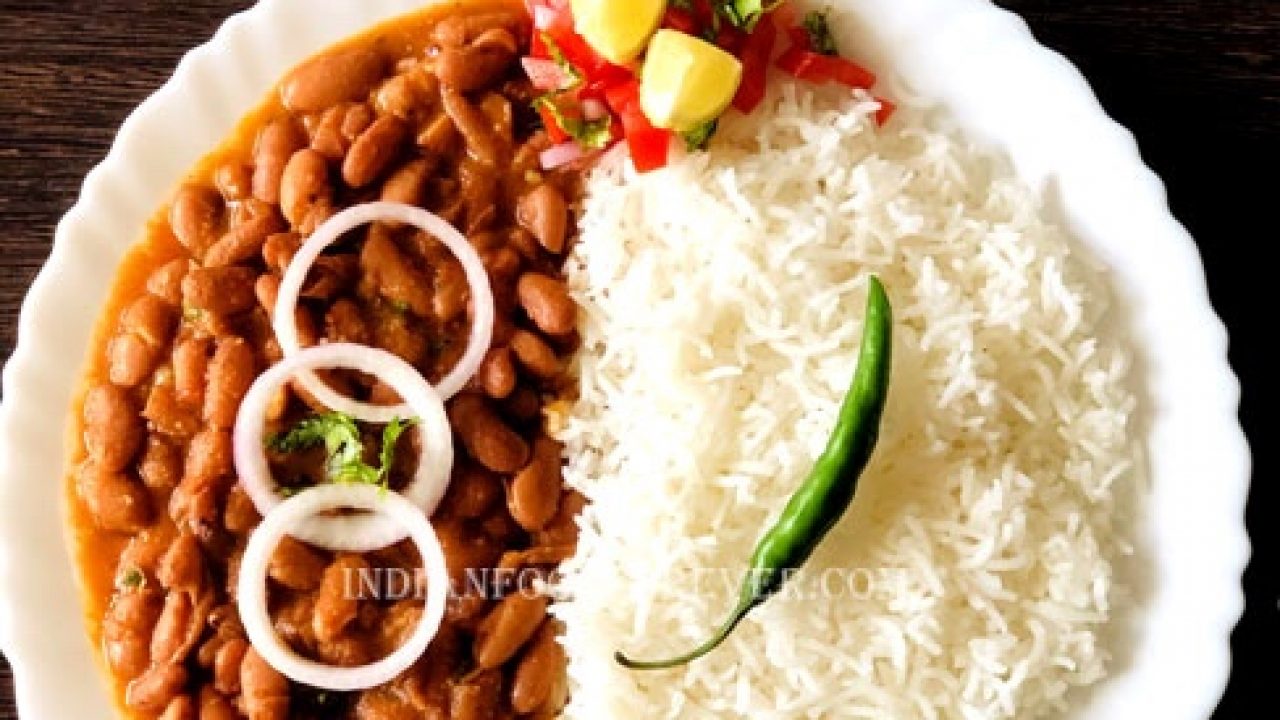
{"x":1197,"y":80}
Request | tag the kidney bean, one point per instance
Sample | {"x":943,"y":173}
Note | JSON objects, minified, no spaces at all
{"x":563,"y":528}
{"x":436,"y":135}
{"x":477,"y":698}
{"x":507,"y":628}
{"x":126,"y":631}
{"x":213,"y":706}
{"x":279,"y":249}
{"x":345,"y":651}
{"x":396,"y":624}
{"x":478,"y":184}
{"x":209,"y":459}
{"x":543,"y":212}
{"x":264,"y":691}
{"x":143,"y":553}
{"x":195,"y":217}
{"x":167,"y":415}
{"x":243,"y":242}
{"x":345,"y":323}
{"x":482,"y":144}
{"x":130,"y":360}
{"x":208,"y":651}
{"x":174,"y":629}
{"x":485,"y":436}
{"x":304,"y":183}
{"x":535,"y":355}
{"x":190,"y":362}
{"x":180,"y":708}
{"x":393,"y":276}
{"x":497,"y":109}
{"x":336,"y":601}
{"x":334,"y":77}
{"x":534,"y":493}
{"x":226,"y":666}
{"x":220,"y":290}
{"x":116,"y":502}
{"x":540,"y":555}
{"x":277,"y":142}
{"x":331,"y":275}
{"x":465,"y":549}
{"x":231,"y":372}
{"x":497,"y":374}
{"x":472,"y":491}
{"x":241,"y":515}
{"x":151,"y":319}
{"x":338,"y":127}
{"x":161,"y":465}
{"x":182,"y":567}
{"x":154,"y":689}
{"x":408,"y":184}
{"x":408,"y":94}
{"x":547,"y":303}
{"x":477,"y":65}
{"x":296,"y":566}
{"x":234,"y":180}
{"x":523,"y":405}
{"x":449,"y":301}
{"x":166,"y":282}
{"x":539,"y":672}
{"x":373,"y":151}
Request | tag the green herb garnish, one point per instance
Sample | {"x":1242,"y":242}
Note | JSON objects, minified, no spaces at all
{"x":745,"y":14}
{"x":338,"y":433}
{"x":131,"y":578}
{"x":699,"y":137}
{"x":593,"y":134}
{"x":819,"y":30}
{"x":573,"y":78}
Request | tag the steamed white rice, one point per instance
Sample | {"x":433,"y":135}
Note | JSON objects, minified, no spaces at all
{"x":723,"y":299}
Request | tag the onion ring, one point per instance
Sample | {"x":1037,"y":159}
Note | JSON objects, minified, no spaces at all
{"x":252,"y":585}
{"x":361,"y":533}
{"x":327,"y":234}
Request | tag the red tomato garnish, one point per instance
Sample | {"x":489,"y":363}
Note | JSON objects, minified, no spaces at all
{"x":755,"y":53}
{"x":682,"y":20}
{"x":647,"y":143}
{"x":887,"y":108}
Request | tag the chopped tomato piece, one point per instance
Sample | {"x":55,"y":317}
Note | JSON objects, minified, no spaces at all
{"x":818,"y":68}
{"x":887,"y":107}
{"x":756,"y":50}
{"x":784,"y":15}
{"x":556,"y":134}
{"x":730,"y":38}
{"x":682,"y":20}
{"x":648,"y":144}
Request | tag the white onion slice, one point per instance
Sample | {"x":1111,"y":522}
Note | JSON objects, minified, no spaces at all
{"x":327,"y":234}
{"x":293,"y":513}
{"x":349,"y":533}
{"x":593,"y":109}
{"x":562,"y":154}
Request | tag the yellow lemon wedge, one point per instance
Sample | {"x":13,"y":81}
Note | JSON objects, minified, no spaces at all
{"x":686,"y":82}
{"x":617,"y":29}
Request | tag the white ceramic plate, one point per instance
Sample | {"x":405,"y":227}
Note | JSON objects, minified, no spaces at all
{"x":979,"y":62}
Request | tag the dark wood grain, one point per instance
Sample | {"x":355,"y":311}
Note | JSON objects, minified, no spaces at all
{"x":1197,"y":80}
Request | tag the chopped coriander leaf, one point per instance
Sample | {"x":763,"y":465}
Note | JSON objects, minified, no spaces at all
{"x":699,"y":137}
{"x":191,"y":313}
{"x":573,"y":78}
{"x":819,"y":30}
{"x":132,"y":578}
{"x":745,"y":13}
{"x":594,"y":134}
{"x":338,"y":433}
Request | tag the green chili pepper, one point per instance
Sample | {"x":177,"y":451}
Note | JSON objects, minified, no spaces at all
{"x":825,"y":495}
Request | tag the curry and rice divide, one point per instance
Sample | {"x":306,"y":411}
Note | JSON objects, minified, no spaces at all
{"x":419,"y":242}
